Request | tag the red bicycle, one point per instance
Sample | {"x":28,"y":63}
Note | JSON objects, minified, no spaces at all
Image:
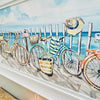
{"x":91,"y":68}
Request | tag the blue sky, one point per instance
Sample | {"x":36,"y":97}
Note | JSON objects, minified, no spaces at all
{"x":35,"y":12}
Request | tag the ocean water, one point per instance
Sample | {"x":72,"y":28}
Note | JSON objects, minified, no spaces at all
{"x":84,"y":40}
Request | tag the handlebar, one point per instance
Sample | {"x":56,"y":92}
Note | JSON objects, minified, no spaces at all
{"x":43,"y":39}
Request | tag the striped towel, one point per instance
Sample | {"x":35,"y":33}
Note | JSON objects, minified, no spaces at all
{"x":54,"y":45}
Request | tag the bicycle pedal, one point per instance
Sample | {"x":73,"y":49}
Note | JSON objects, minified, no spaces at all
{"x":38,"y":70}
{"x":11,"y":55}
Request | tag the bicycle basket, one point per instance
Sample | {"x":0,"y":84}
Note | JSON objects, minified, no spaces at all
{"x":34,"y":39}
{"x":1,"y":37}
{"x":46,"y":65}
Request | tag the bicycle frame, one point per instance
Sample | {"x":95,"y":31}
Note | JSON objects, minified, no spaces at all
{"x":58,"y":53}
{"x":93,"y":52}
{"x":15,"y":44}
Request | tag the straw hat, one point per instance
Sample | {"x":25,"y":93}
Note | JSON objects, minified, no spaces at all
{"x":74,"y":25}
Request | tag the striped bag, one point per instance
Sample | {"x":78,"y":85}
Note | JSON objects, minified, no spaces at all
{"x":54,"y":45}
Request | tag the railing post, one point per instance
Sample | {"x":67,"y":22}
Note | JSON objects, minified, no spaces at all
{"x":44,"y":29}
{"x":50,"y":29}
{"x":57,"y":34}
{"x":89,"y":37}
{"x":5,"y":34}
{"x":30,"y":31}
{"x":8,"y":35}
{"x":35,"y":31}
{"x":39,"y":34}
{"x":57,"y":30}
{"x":71,"y":40}
{"x":64,"y":32}
{"x":39,"y":31}
{"x":10,"y":39}
{"x":79,"y":43}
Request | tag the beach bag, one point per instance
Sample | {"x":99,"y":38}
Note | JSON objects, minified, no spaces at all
{"x":46,"y":65}
{"x":34,"y":39}
{"x":1,"y":37}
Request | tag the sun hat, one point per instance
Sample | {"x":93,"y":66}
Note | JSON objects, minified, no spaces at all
{"x":74,"y":25}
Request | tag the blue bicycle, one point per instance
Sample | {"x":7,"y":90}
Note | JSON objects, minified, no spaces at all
{"x":67,"y":57}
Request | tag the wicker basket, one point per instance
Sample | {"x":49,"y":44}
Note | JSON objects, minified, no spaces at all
{"x":1,"y":37}
{"x":34,"y":39}
{"x":46,"y":65}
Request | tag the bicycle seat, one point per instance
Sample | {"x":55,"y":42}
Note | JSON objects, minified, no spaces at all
{"x":90,"y":51}
{"x":25,"y":34}
{"x":61,"y":38}
{"x":1,"y":37}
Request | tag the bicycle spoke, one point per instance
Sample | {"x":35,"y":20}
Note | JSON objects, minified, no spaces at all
{"x":35,"y":54}
{"x":91,"y":72}
{"x":4,"y":47}
{"x":94,"y":63}
{"x":71,"y":62}
{"x":92,"y":75}
{"x":91,"y":69}
{"x":97,"y":80}
{"x":21,"y":55}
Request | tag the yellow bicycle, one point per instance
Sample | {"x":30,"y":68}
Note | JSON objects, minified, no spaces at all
{"x":16,"y":50}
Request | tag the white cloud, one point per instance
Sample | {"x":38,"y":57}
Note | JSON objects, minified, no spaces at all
{"x":9,"y":19}
{"x":36,"y":7}
{"x":47,"y":12}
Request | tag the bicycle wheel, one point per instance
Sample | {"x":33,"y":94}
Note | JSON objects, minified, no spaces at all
{"x":91,"y":71}
{"x":4,"y":47}
{"x":21,"y":55}
{"x":36,"y":52}
{"x":71,"y":62}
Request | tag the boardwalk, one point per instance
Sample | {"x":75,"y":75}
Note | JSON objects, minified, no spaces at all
{"x":60,"y":77}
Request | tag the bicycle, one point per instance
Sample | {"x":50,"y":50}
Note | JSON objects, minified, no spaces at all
{"x":16,"y":50}
{"x":67,"y":57}
{"x":2,"y":46}
{"x":91,"y":68}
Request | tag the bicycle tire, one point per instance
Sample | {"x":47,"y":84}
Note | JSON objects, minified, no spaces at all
{"x":91,"y":65}
{"x":21,"y":55}
{"x":34,"y":55}
{"x":71,"y":62}
{"x":4,"y":46}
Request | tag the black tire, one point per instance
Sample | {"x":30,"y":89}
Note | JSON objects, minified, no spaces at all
{"x":91,"y":72}
{"x":21,"y":55}
{"x":71,"y":62}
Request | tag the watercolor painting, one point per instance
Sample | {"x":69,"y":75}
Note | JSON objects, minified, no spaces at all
{"x":51,"y":44}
